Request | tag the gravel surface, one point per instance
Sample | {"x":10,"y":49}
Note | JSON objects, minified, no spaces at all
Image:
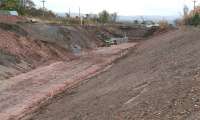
{"x":157,"y":81}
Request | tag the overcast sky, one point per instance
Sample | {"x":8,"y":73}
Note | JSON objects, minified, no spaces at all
{"x":122,"y":7}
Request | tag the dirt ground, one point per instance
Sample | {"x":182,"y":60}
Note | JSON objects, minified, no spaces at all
{"x":160,"y":80}
{"x":39,"y":60}
{"x":25,"y":93}
{"x":25,"y":46}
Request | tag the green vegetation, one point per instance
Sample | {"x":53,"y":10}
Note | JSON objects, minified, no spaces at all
{"x":10,"y":5}
{"x":191,"y":18}
{"x":106,"y":17}
{"x":28,"y":8}
{"x":164,"y":25}
{"x":194,"y":20}
{"x":103,"y":17}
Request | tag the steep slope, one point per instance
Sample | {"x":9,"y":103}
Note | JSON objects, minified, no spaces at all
{"x":157,"y":81}
{"x":25,"y":93}
{"x":133,"y":32}
{"x":25,"y":46}
{"x":21,"y":54}
{"x":67,"y":37}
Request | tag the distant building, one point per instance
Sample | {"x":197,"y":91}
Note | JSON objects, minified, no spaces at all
{"x":117,"y":41}
{"x":6,"y":12}
{"x":150,"y":24}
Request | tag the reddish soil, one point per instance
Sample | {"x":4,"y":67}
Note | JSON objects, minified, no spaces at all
{"x":11,"y":19}
{"x":39,"y":61}
{"x":27,"y":48}
{"x":19,"y":54}
{"x":159,"y":80}
{"x":23,"y":94}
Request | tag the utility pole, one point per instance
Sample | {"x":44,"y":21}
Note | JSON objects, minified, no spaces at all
{"x":80,"y":17}
{"x":69,"y":12}
{"x":79,"y":12}
{"x":43,"y":2}
{"x":195,"y":1}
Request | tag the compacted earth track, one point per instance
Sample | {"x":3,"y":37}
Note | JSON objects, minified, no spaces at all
{"x":159,"y":80}
{"x":25,"y":93}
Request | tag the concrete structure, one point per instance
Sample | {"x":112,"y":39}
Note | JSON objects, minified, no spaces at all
{"x":152,"y":25}
{"x":119,"y":40}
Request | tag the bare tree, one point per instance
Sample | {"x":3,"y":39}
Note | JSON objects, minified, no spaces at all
{"x":185,"y":10}
{"x":113,"y":17}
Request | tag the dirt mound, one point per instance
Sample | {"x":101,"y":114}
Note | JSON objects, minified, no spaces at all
{"x":13,"y":28}
{"x":26,"y":46}
{"x":158,"y":81}
{"x":7,"y":58}
{"x":72,"y":38}
{"x":11,"y":19}
{"x":134,"y":33}
{"x":21,"y":51}
{"x":34,"y":44}
{"x":32,"y":89}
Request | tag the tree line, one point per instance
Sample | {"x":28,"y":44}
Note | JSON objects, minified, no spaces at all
{"x":191,"y":17}
{"x":106,"y":17}
{"x":26,"y":7}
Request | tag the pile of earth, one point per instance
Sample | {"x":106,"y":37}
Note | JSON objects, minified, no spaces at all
{"x":134,"y":33}
{"x":25,"y":46}
{"x":11,"y":19}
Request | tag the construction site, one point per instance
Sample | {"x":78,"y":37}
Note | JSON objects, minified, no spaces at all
{"x":56,"y":69}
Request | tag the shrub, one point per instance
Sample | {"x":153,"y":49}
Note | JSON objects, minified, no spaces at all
{"x":194,"y":20}
{"x":163,"y":25}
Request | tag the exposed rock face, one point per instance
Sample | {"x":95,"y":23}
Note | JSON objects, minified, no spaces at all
{"x":25,"y":46}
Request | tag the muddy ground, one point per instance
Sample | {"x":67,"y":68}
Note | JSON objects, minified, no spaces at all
{"x":159,"y":80}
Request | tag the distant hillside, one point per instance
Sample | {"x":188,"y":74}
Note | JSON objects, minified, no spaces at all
{"x":152,"y":18}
